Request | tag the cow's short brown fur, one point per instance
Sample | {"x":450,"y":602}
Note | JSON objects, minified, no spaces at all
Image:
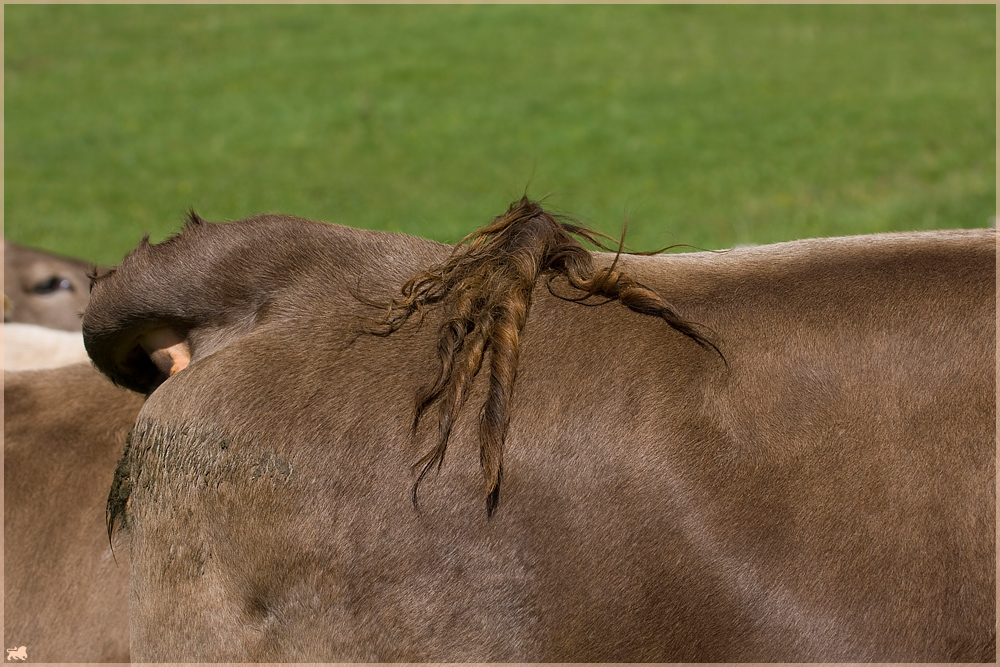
{"x":817,"y":488}
{"x":65,"y":592}
{"x":44,"y":288}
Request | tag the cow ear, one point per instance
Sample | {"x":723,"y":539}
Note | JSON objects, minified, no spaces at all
{"x":166,"y":349}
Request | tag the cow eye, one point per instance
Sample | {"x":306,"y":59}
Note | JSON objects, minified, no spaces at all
{"x":53,"y":284}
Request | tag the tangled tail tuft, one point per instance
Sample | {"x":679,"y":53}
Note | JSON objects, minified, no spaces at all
{"x":485,"y":286}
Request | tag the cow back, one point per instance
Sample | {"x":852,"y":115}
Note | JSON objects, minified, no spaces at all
{"x":813,"y":485}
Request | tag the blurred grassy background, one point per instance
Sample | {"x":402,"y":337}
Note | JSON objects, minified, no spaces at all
{"x":708,"y":125}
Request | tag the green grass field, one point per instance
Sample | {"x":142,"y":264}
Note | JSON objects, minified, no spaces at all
{"x":705,"y":125}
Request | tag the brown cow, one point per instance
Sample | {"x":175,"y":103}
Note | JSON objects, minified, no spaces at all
{"x":43,"y":288}
{"x":65,"y":597}
{"x":778,"y":453}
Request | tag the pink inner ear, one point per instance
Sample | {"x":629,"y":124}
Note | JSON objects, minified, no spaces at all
{"x":167,"y":350}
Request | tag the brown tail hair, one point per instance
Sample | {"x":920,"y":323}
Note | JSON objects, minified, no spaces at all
{"x":486,"y":286}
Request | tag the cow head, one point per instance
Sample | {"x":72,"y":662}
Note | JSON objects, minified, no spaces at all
{"x":170,"y":304}
{"x":190,"y":295}
{"x":43,"y":288}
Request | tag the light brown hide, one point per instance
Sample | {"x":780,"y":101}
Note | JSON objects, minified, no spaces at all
{"x":65,"y":593}
{"x":826,"y":493}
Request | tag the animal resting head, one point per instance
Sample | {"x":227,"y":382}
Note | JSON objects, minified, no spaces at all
{"x":43,"y":288}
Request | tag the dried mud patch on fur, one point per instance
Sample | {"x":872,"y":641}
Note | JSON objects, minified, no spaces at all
{"x":164,"y":461}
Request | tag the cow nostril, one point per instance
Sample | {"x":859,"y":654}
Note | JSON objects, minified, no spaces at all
{"x":53,"y":284}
